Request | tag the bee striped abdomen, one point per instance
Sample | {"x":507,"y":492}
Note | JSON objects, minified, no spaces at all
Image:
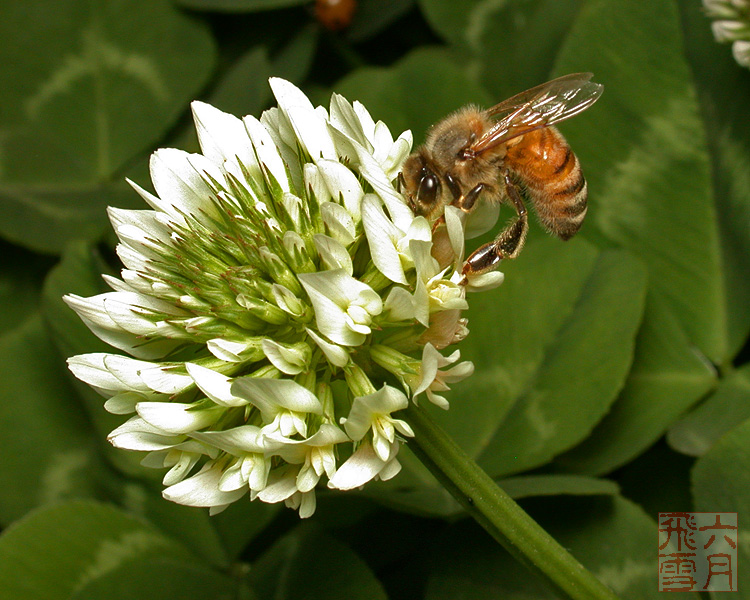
{"x":552,"y":175}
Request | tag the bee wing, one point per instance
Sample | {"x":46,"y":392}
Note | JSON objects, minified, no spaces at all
{"x":541,"y":106}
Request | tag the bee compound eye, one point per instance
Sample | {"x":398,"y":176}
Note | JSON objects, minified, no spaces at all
{"x":428,"y":187}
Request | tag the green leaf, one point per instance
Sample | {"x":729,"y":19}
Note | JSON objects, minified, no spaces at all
{"x":45,"y":219}
{"x":527,"y":34}
{"x":295,"y":58}
{"x":48,"y":455}
{"x":720,"y":480}
{"x":308,"y":563}
{"x":241,"y":523}
{"x":452,"y":20}
{"x":430,"y":499}
{"x":698,"y":431}
{"x":532,"y":33}
{"x":55,"y":551}
{"x":20,"y":278}
{"x":191,"y":526}
{"x":611,"y":537}
{"x":658,"y":480}
{"x":514,"y":42}
{"x":667,"y":377}
{"x":723,"y":88}
{"x":238,"y":5}
{"x":158,"y":579}
{"x":643,"y":149}
{"x":389,"y":93}
{"x":552,"y":347}
{"x":373,"y":16}
{"x":85,"y":93}
{"x":244,"y":89}
{"x":526,"y":486}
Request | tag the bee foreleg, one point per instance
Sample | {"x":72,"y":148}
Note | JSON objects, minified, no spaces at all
{"x":466,"y":202}
{"x":509,"y":241}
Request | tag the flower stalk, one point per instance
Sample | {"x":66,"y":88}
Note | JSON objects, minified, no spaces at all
{"x":498,"y":513}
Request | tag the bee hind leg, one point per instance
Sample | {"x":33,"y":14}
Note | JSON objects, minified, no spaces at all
{"x":509,"y":241}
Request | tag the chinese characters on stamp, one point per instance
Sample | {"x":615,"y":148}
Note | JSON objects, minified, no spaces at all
{"x":697,"y":551}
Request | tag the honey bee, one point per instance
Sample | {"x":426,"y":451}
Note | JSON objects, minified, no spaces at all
{"x":499,"y":153}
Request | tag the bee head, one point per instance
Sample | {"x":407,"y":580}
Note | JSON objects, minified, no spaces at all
{"x":420,"y":185}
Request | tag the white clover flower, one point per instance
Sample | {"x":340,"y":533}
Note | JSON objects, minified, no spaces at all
{"x":423,"y":374}
{"x":279,"y":260}
{"x":731,"y":25}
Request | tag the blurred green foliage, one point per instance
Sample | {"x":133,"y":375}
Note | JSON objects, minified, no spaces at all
{"x":612,"y":377}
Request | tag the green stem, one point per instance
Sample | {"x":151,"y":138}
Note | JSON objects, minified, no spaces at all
{"x":498,"y":513}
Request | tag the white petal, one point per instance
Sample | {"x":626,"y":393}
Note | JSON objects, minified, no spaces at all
{"x":438,"y":401}
{"x":314,"y":181}
{"x":178,"y":178}
{"x":269,"y":394}
{"x":91,"y":369}
{"x":237,"y":441}
{"x":481,"y":219}
{"x":484,"y":281}
{"x":216,"y":386}
{"x":454,"y":221}
{"x":458,"y":373}
{"x":373,"y":173}
{"x":287,"y":359}
{"x":427,"y":267}
{"x":332,"y":293}
{"x":382,"y":236}
{"x":359,"y":468}
{"x":307,"y":504}
{"x":202,"y":490}
{"x":727,"y":30}
{"x":287,"y":301}
{"x":181,"y":468}
{"x":137,"y":434}
{"x":228,"y":350}
{"x":382,"y":140}
{"x":153,"y":201}
{"x":307,"y":479}
{"x":174,"y":417}
{"x":342,"y":182}
{"x":339,"y":222}
{"x":164,"y":380}
{"x":335,"y":354}
{"x":309,"y":125}
{"x":222,"y":136}
{"x":279,"y":487}
{"x":397,"y":155}
{"x":232,"y":478}
{"x":345,"y":119}
{"x":366,"y":409}
{"x":280,"y":130}
{"x":141,"y":226}
{"x":390,"y":470}
{"x":123,"y":403}
{"x":268,"y":153}
{"x":366,"y":122}
{"x":399,"y":305}
{"x":429,"y":368}
{"x":333,"y":253}
{"x":741,"y":52}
